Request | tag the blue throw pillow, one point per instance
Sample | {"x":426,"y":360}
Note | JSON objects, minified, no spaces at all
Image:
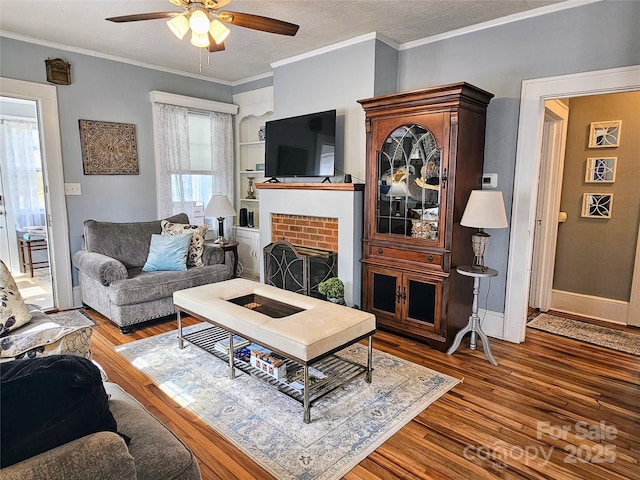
{"x":167,"y":252}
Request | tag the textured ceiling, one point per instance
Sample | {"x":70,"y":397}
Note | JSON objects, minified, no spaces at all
{"x":81,"y":24}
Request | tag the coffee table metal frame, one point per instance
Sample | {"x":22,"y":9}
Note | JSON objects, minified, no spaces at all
{"x":338,"y":371}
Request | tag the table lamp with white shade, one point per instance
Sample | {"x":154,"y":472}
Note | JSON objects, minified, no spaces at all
{"x":485,"y":209}
{"x":220,"y":207}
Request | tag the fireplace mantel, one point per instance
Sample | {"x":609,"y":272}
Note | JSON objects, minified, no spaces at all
{"x":355,"y":187}
{"x":342,"y":201}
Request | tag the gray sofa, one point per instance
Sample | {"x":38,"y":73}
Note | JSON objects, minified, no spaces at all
{"x":111,"y":277}
{"x":154,"y":452}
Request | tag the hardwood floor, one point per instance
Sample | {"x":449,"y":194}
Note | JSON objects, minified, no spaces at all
{"x":554,"y":408}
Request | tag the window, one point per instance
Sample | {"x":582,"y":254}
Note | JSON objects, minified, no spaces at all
{"x":195,"y":186}
{"x":194,"y":153}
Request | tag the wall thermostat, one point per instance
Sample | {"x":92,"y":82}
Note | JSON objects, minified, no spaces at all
{"x":489,"y":180}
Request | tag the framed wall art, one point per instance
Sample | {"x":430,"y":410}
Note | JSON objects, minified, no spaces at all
{"x":605,"y":134}
{"x":597,"y":205}
{"x":601,"y":170}
{"x":108,"y":148}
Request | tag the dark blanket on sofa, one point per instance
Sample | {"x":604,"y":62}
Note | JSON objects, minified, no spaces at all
{"x":48,"y":401}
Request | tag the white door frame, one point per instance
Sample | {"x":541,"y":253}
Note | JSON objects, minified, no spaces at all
{"x":633,"y":314}
{"x":554,"y":139}
{"x":46,"y":99}
{"x":523,"y":213}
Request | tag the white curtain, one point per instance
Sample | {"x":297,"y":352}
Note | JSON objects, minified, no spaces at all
{"x":171,"y":141}
{"x":179,"y":183}
{"x":20,"y":148}
{"x":222,"y":156}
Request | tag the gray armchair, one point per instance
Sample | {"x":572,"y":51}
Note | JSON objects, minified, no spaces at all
{"x":111,"y":277}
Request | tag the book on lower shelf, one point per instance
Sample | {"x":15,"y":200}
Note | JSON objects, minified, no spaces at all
{"x":297,"y":379}
{"x":238,"y":342}
{"x":269,"y":363}
{"x":244,"y":353}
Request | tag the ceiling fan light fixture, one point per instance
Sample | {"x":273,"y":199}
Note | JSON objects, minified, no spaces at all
{"x":218,"y":31}
{"x":199,"y":22}
{"x":199,"y":40}
{"x":179,"y":25}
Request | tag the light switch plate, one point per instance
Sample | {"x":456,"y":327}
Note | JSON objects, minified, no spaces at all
{"x":72,"y":189}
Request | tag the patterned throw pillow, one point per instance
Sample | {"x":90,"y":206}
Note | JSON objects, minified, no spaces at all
{"x":194,"y":259}
{"x":13,"y":311}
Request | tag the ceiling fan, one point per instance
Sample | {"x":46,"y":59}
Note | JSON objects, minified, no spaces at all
{"x":207,"y":22}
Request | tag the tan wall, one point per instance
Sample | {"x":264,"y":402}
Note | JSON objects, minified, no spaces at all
{"x":595,"y":256}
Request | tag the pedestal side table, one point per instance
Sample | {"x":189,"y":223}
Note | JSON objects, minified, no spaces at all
{"x":474,"y":326}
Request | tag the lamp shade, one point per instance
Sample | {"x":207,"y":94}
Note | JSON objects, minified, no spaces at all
{"x":179,"y":25}
{"x":485,"y":209}
{"x":218,"y":31}
{"x":219,"y":206}
{"x":198,"y":40}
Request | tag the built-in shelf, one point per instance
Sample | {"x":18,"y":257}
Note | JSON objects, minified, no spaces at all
{"x":255,"y":109}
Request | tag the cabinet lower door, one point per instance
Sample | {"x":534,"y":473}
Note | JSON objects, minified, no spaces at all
{"x":422,"y":302}
{"x":249,"y":252}
{"x":408,"y":302}
{"x":383,"y":294}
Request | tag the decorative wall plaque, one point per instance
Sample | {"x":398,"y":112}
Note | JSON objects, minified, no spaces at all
{"x":605,"y":134}
{"x":601,"y":170}
{"x":108,"y":148}
{"x":58,"y":71}
{"x":597,"y":205}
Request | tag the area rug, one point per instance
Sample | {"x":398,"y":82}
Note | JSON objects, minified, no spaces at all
{"x":587,"y":332}
{"x":346,"y":425}
{"x":72,"y":318}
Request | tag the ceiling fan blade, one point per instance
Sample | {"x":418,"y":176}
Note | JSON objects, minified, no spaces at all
{"x":143,"y":16}
{"x":257,"y":22}
{"x":217,"y":4}
{"x":213,"y":46}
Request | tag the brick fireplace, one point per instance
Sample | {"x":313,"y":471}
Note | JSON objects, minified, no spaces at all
{"x":306,"y":231}
{"x":333,"y":212}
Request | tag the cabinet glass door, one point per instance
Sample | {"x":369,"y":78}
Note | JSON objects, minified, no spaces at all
{"x":409,"y":175}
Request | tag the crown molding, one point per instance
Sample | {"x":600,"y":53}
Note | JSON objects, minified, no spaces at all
{"x":260,"y":76}
{"x":516,"y":17}
{"x":336,"y":46}
{"x":105,"y":56}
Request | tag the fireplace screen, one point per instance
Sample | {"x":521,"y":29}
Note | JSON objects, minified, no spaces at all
{"x":298,"y":269}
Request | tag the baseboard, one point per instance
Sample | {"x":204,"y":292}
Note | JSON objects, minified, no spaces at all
{"x":77,"y":297}
{"x":598,"y":308}
{"x":492,"y":323}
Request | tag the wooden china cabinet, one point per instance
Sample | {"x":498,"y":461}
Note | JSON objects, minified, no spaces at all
{"x":424,"y":156}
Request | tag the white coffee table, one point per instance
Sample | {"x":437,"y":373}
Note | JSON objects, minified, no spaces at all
{"x":302,"y":329}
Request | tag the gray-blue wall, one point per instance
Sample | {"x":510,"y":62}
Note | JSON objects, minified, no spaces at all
{"x":587,"y":38}
{"x":108,"y":91}
{"x":334,"y":79}
{"x":590,"y":37}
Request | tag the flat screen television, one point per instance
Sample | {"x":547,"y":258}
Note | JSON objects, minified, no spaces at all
{"x":302,"y":146}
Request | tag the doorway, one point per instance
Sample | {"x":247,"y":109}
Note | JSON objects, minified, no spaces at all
{"x":54,"y":220}
{"x":534,"y":93}
{"x":23,"y":210}
{"x":593,"y":272}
